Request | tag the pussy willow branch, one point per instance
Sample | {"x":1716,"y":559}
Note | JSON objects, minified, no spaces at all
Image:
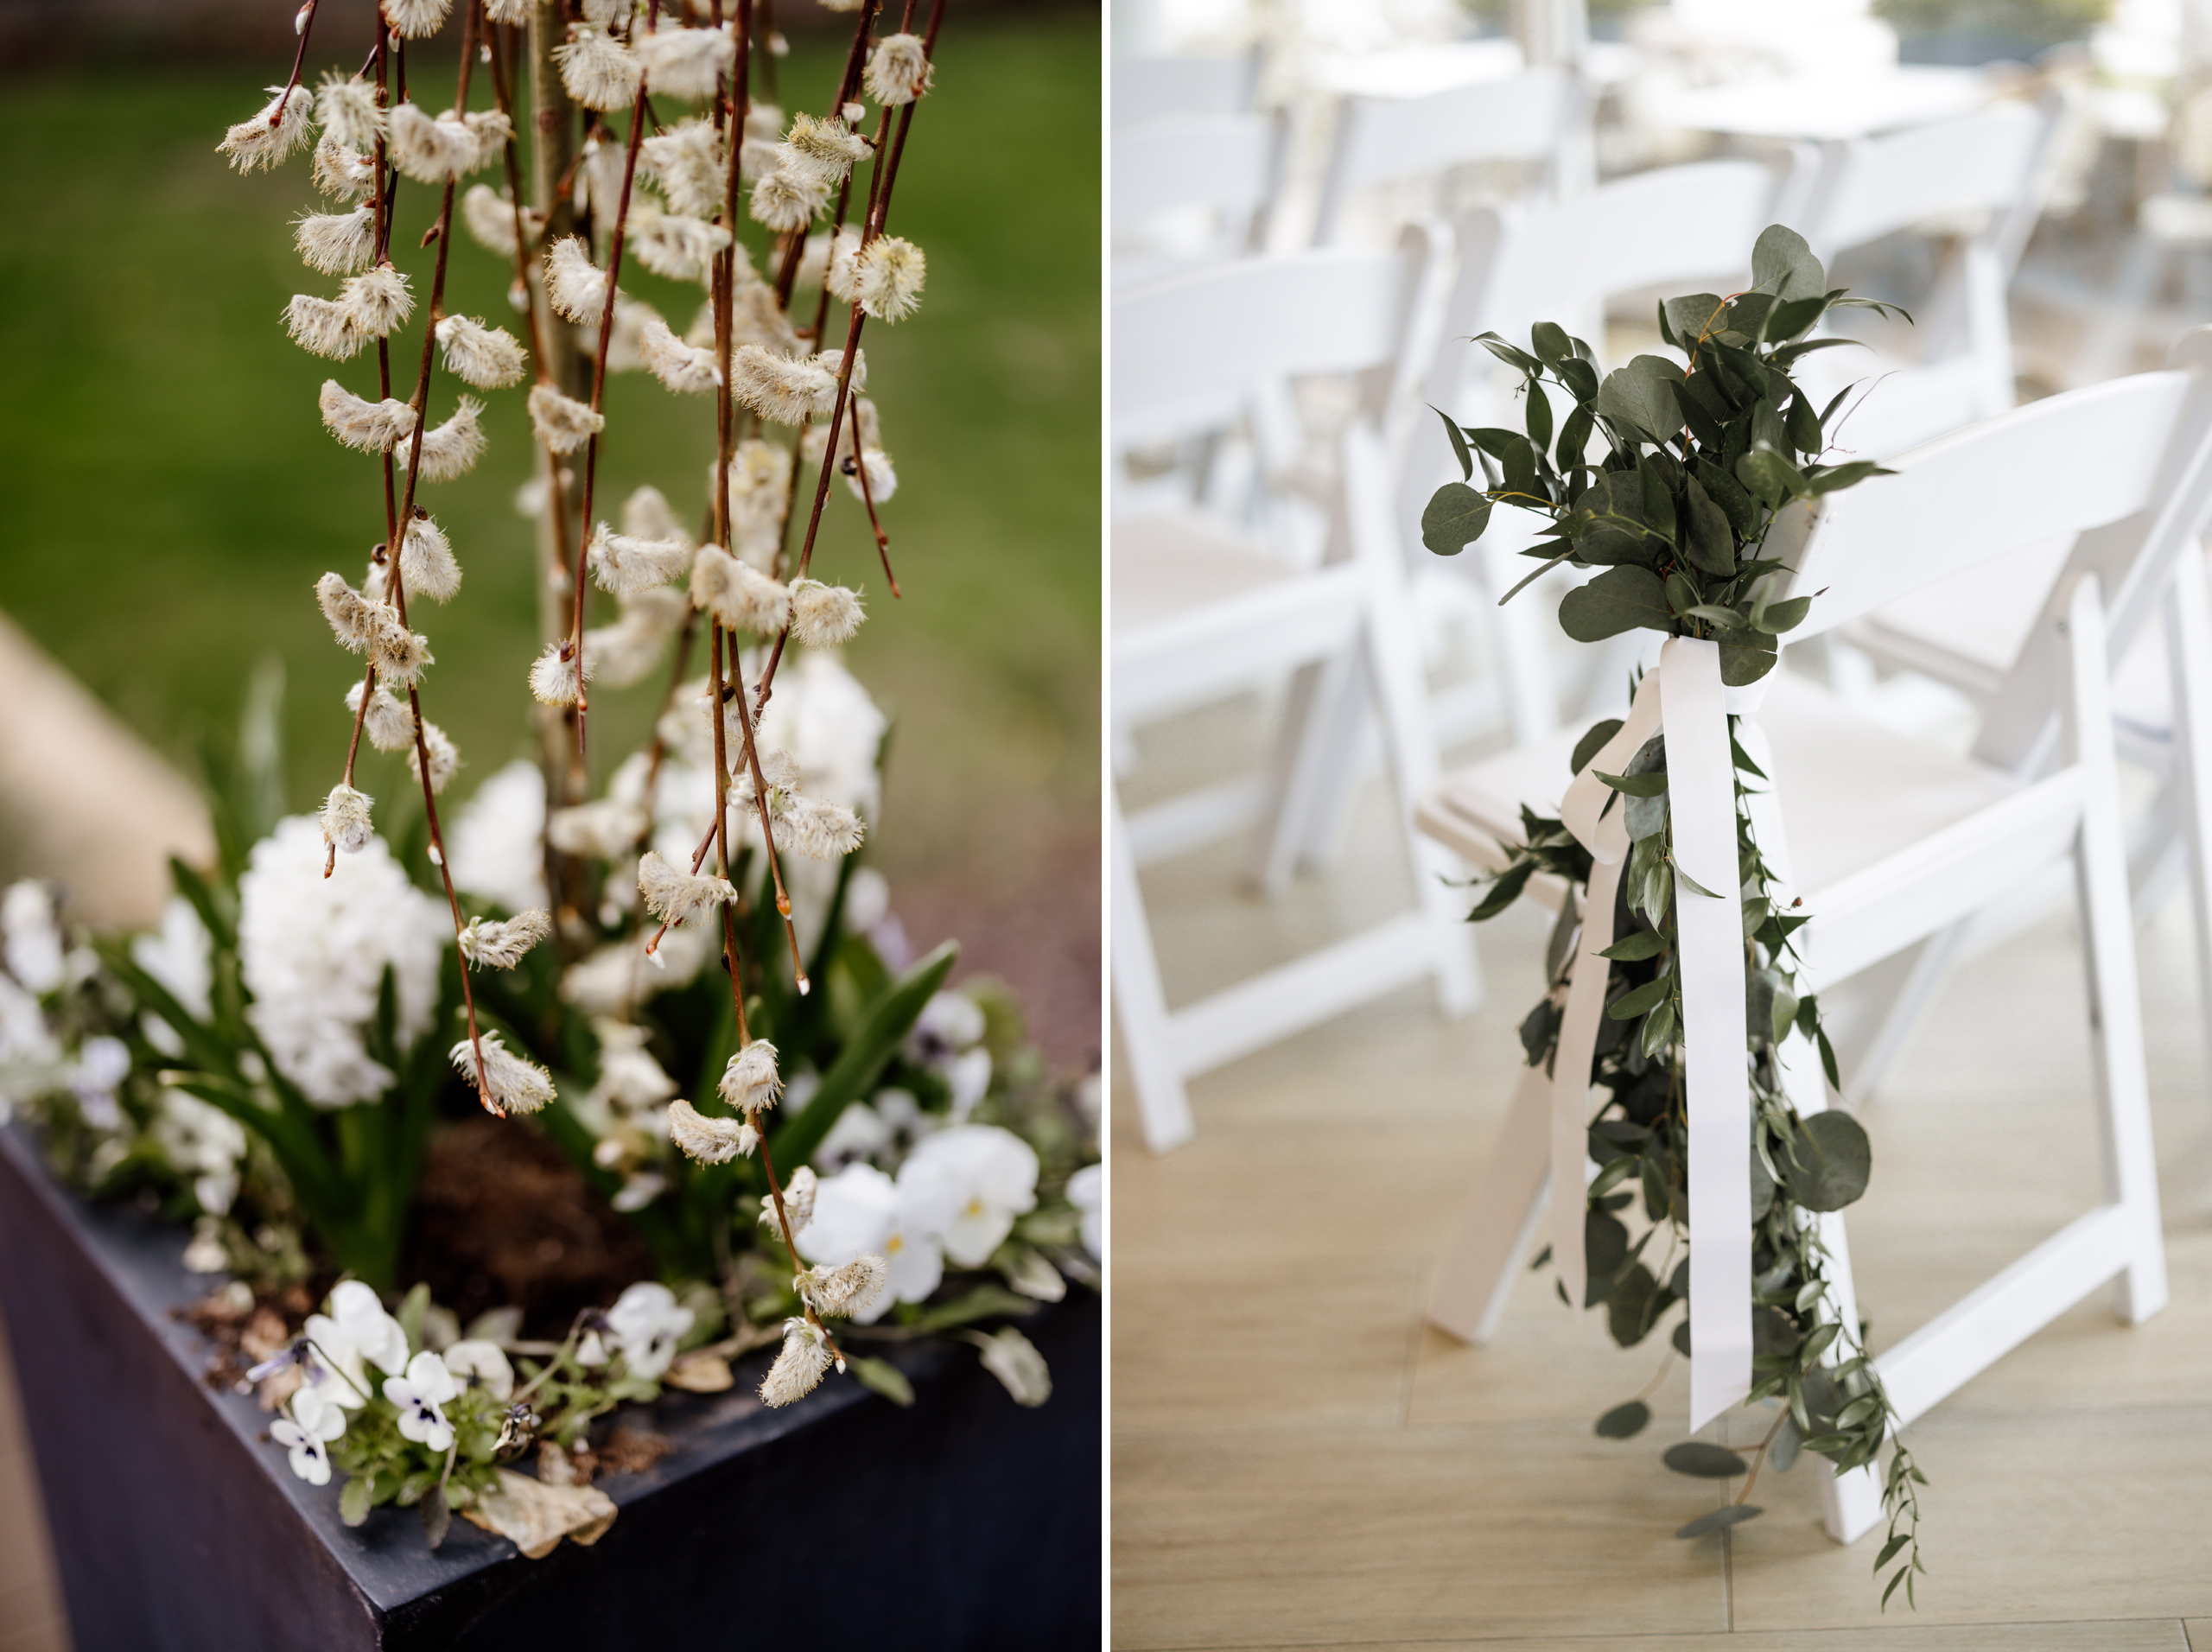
{"x":638,"y":109}
{"x":848,"y":84}
{"x":292,"y":84}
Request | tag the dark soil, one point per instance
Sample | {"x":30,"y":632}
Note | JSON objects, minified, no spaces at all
{"x":504,"y":1218}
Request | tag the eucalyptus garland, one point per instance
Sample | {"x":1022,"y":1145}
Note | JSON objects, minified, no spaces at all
{"x":1694,"y":467}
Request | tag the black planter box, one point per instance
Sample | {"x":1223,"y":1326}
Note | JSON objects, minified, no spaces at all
{"x":965,"y":1521}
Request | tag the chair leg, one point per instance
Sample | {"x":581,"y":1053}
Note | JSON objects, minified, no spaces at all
{"x":2115,"y":1006}
{"x":1148,"y":1032}
{"x":2189,"y":659}
{"x":1316,"y":768}
{"x":1475,"y":1278}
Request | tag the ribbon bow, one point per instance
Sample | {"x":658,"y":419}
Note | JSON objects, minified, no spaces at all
{"x":1685,"y":700}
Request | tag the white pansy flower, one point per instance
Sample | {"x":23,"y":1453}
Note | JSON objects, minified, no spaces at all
{"x":861,"y":1211}
{"x":1087,"y":1192}
{"x":30,"y":937}
{"x":980,"y":1177}
{"x":493,"y":847}
{"x":307,"y":1433}
{"x":482,"y":1365}
{"x":355,"y":1330}
{"x":313,"y":951}
{"x":647,"y":1322}
{"x":202,"y":1141}
{"x":427,"y":1386}
{"x":947,"y":1039}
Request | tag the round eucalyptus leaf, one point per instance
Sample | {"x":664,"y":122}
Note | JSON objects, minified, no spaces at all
{"x":1734,"y":1515}
{"x":1705,"y":1461}
{"x":1828,"y":1161}
{"x":1456,"y":516}
{"x":1624,"y":1421}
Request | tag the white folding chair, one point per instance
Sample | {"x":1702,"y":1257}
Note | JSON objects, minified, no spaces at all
{"x":1146,"y":89}
{"x":1188,"y":189}
{"x":1974,"y":178}
{"x":1530,"y":116}
{"x":1894,"y":840}
{"x":1200,"y":613}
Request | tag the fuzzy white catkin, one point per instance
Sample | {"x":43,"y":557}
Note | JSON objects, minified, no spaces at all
{"x":337,"y":243}
{"x":786,"y":201}
{"x":819,"y":830}
{"x":452,"y":449}
{"x":626,"y":566}
{"x":800,"y":1366}
{"x":341,"y":173}
{"x":348,"y":110}
{"x":507,"y":11}
{"x":882,"y":479}
{"x":488,"y":358}
{"x":785,"y":390}
{"x":603,"y":828}
{"x":491,"y":131}
{"x":759,"y":494}
{"x":494,"y":945}
{"x":418,"y":19}
{"x":691,"y":164}
{"x":899,"y":70}
{"x":553,"y":678}
{"x":510,"y":1083}
{"x":677,"y":897}
{"x":345,"y":820}
{"x":369,"y":427}
{"x":605,"y":14}
{"x":822,"y":616}
{"x":841,"y":269}
{"x":646,"y":515}
{"x":426,"y":560}
{"x":750,"y":1082}
{"x":889,"y":276}
{"x":684,"y":62}
{"x":489,"y":217}
{"x":711,"y":1141}
{"x":445,"y":757}
{"x":837,"y":1291}
{"x":400,"y":655}
{"x":256,"y":143}
{"x":680,"y":366}
{"x":574,"y":286}
{"x":562,"y":423}
{"x":738,"y":595}
{"x":600,"y":72}
{"x":376,"y":301}
{"x":427,"y":148}
{"x":387,"y":722}
{"x":821,"y":151}
{"x":319,"y":326}
{"x":675,"y":246}
{"x":627,"y":652}
{"x":799,"y":1204}
{"x":352,"y":617}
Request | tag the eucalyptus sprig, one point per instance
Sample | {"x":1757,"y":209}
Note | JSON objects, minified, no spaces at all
{"x":1691,"y":464}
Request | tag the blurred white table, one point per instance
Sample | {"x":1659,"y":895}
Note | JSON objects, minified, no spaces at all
{"x":1825,"y":106}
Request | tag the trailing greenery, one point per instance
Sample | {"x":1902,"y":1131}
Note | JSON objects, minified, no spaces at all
{"x":1692,"y":465}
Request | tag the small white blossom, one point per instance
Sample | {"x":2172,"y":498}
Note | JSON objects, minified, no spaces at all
{"x":862,"y":1211}
{"x":420,"y":1394}
{"x":270,"y":137}
{"x":510,"y":1083}
{"x":307,"y":1433}
{"x":750,"y":1082}
{"x":979,"y":1178}
{"x":32,"y":947}
{"x":647,"y":1322}
{"x":710,"y":1140}
{"x":630,"y":1080}
{"x":489,"y":358}
{"x":489,"y":943}
{"x":204,"y":1142}
{"x":475,"y":1363}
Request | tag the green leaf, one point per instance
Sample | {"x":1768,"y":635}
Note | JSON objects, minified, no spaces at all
{"x":1707,"y":540}
{"x":1775,"y":618}
{"x":883,"y":1025}
{"x":1789,"y":319}
{"x":882,"y":1377}
{"x":1783,"y":266}
{"x":1782,"y":1451}
{"x":1705,"y":1461}
{"x":1734,"y":1513}
{"x":1574,"y":438}
{"x":1635,"y":1002}
{"x":1593,"y":742}
{"x":1458,"y":445}
{"x":1741,"y":510}
{"x":984,"y":1302}
{"x":1455,"y":518}
{"x":1692,"y":316}
{"x":1630,"y":1311}
{"x":1639,"y":400}
{"x":1644,"y":944}
{"x":1624,"y":1421}
{"x":1648,"y":784}
{"x":1550,"y":342}
{"x":1538,"y":414}
{"x":1507,"y":353}
{"x":354,"y":1501}
{"x":1857,"y":1411}
{"x":1828,"y":1161}
{"x":1804,"y":429}
{"x":1581,"y":377}
{"x":1620,"y":600}
{"x":1762,"y":1187}
{"x":1745,"y":657}
{"x":1503,"y":891}
{"x":1841,"y":476}
{"x":1890,"y":1549}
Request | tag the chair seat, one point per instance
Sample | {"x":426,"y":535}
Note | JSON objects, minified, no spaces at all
{"x":1169,"y":564}
{"x":1858,"y":792}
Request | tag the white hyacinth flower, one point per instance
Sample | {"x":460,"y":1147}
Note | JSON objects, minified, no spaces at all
{"x":645,"y":1323}
{"x":709,"y":1140}
{"x":562,"y":422}
{"x":269,"y":137}
{"x":420,"y":1394}
{"x":750,"y":1082}
{"x":337,"y":243}
{"x":799,"y":1367}
{"x":899,"y":72}
{"x":493,"y":847}
{"x":508,"y":1083}
{"x":488,"y":358}
{"x":345,"y":823}
{"x":488,"y":944}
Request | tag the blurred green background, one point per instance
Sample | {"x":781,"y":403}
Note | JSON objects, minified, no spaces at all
{"x":173,"y":495}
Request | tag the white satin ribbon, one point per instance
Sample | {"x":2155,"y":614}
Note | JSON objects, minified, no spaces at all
{"x":1685,"y":698}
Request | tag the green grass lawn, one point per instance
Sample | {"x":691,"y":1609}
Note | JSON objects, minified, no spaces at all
{"x":174,"y":496}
